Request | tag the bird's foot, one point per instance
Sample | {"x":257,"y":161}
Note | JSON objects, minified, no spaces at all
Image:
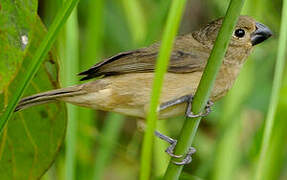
{"x":170,"y":150}
{"x":189,"y":113}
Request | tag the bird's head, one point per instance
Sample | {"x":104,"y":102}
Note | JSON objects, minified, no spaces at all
{"x":247,"y":33}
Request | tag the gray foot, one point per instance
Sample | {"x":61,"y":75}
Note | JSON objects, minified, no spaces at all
{"x":189,"y":113}
{"x":170,"y":149}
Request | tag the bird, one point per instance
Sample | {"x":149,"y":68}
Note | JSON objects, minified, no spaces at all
{"x":123,"y":83}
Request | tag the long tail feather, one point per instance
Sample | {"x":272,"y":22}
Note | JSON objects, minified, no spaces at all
{"x":49,"y":96}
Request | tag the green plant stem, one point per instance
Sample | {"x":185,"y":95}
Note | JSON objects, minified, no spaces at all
{"x":227,"y":150}
{"x":38,"y":58}
{"x":173,"y":21}
{"x":279,"y":69}
{"x":71,"y":67}
{"x":205,"y":86}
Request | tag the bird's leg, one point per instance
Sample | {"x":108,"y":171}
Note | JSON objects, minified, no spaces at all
{"x":187,"y":99}
{"x":170,"y":150}
{"x":172,"y":143}
{"x":182,"y":99}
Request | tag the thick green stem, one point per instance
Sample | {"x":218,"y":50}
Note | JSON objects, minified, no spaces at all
{"x":280,"y":64}
{"x":38,"y":58}
{"x":204,"y":89}
{"x":161,"y":67}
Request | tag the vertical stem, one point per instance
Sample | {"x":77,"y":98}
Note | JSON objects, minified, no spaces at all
{"x":227,"y":150}
{"x":161,"y":67}
{"x":279,"y":69}
{"x":71,"y":66}
{"x":205,"y":86}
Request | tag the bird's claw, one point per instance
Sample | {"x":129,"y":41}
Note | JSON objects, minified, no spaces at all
{"x":170,"y":150}
{"x":204,"y":113}
{"x":187,"y":158}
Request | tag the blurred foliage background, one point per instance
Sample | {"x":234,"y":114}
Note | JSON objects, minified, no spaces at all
{"x":103,"y":145}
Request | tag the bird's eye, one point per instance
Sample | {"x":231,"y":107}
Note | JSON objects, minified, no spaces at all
{"x":239,"y":33}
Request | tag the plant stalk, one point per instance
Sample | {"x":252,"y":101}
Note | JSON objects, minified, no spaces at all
{"x":173,"y":22}
{"x":205,"y":86}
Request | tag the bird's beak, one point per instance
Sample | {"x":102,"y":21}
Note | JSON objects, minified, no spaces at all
{"x":261,"y":33}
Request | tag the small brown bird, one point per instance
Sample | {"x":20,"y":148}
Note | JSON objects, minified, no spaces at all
{"x":126,"y":83}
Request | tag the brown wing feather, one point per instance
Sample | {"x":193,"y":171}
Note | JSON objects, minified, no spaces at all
{"x":143,"y":60}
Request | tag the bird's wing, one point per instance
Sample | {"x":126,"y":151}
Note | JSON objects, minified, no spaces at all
{"x":143,"y":60}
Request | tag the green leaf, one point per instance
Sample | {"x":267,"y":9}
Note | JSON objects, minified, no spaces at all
{"x":16,"y":19}
{"x":38,"y":58}
{"x":32,"y":138}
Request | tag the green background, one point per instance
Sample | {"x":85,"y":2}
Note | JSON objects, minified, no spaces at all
{"x":108,"y":145}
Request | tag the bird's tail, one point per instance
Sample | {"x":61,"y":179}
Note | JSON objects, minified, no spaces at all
{"x":48,"y":96}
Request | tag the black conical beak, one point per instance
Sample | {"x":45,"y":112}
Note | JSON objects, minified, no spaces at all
{"x":261,"y":33}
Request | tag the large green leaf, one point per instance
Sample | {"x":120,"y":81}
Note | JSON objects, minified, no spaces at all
{"x":16,"y":20}
{"x":32,"y":138}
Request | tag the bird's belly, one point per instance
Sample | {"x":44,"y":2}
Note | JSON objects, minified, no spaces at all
{"x":130,"y":94}
{"x":177,"y":110}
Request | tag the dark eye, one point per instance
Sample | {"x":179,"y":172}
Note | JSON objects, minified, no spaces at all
{"x":239,"y":33}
